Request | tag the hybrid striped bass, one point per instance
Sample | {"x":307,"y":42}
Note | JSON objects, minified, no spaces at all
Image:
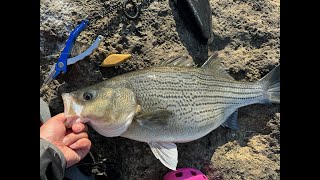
{"x":174,"y":102}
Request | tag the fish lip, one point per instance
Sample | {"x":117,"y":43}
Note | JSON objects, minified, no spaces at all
{"x":72,"y":119}
{"x":71,"y":108}
{"x":66,"y":97}
{"x":82,"y":120}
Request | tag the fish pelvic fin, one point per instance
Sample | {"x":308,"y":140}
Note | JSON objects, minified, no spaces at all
{"x":271,"y":83}
{"x":166,"y":152}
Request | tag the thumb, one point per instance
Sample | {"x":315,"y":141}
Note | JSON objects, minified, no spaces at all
{"x":81,"y":147}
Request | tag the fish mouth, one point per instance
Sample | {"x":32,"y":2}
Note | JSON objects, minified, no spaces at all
{"x":72,"y":110}
{"x":71,"y":120}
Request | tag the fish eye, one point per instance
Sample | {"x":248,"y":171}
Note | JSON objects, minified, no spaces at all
{"x":87,"y":96}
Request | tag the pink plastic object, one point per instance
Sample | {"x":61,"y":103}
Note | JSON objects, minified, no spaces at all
{"x":185,"y":174}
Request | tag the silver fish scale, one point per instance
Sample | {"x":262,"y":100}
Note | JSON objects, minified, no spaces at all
{"x":200,"y":101}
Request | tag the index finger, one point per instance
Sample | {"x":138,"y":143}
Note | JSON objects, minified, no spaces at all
{"x":79,"y":127}
{"x":59,"y":117}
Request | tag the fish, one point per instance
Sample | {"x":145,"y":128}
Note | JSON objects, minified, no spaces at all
{"x":172,"y":102}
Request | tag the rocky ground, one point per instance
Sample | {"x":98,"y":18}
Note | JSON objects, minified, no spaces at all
{"x":246,"y":35}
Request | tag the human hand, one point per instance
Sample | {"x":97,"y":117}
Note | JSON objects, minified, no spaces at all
{"x":73,"y":142}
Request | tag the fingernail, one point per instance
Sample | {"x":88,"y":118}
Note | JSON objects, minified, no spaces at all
{"x":73,"y":146}
{"x":65,"y":141}
{"x":78,"y":127}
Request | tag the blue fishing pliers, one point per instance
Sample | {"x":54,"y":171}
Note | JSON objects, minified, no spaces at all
{"x":64,"y":60}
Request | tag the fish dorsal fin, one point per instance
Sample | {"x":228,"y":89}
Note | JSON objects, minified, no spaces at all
{"x":232,"y":121}
{"x":166,"y":152}
{"x":181,"y":61}
{"x":155,"y":118}
{"x":213,"y":64}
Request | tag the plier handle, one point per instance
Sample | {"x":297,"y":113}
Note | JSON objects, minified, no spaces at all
{"x":61,"y":65}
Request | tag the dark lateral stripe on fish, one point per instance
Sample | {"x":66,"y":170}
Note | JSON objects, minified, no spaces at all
{"x":230,"y":86}
{"x":213,"y":103}
{"x":210,"y":96}
{"x":175,"y":84}
{"x":199,"y":113}
{"x":204,"y":90}
{"x":210,"y":83}
{"x":194,"y":110}
{"x":208,"y":80}
{"x":210,"y":118}
{"x":227,"y":97}
{"x":201,"y":75}
{"x":205,"y":83}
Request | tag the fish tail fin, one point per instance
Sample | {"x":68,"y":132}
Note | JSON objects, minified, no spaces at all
{"x":271,"y":83}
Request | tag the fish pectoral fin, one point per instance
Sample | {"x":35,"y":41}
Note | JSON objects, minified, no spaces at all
{"x":214,"y":66}
{"x":166,"y":152}
{"x":158,"y":118}
{"x":232,"y":121}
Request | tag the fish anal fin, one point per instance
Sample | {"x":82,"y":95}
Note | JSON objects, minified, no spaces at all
{"x":232,"y":121}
